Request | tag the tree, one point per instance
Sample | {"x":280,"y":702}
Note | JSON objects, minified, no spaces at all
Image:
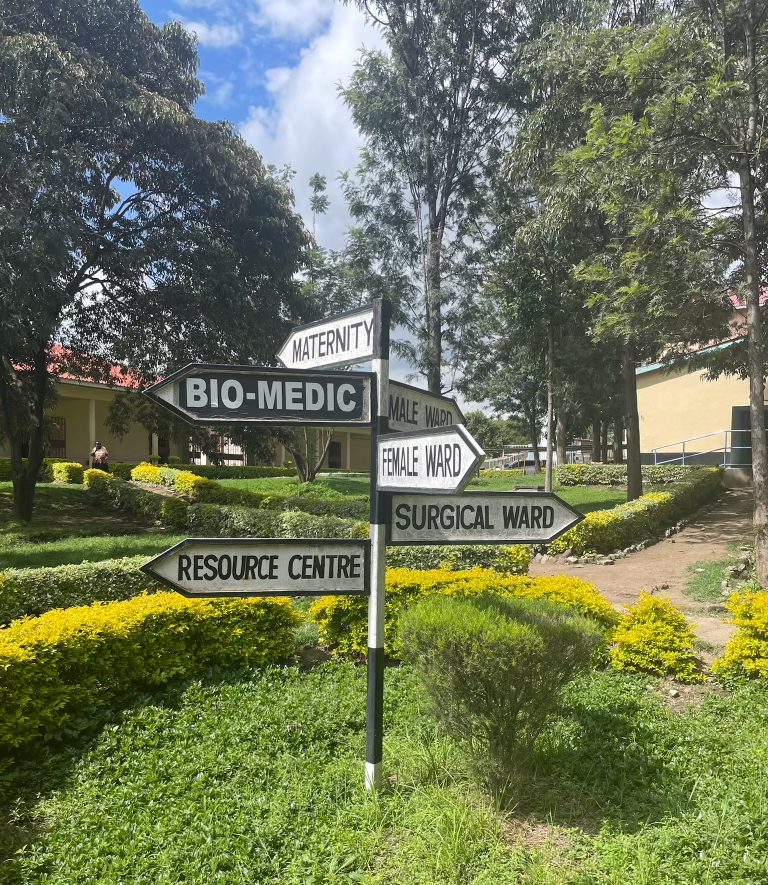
{"x":130,"y":230}
{"x":495,"y":433}
{"x":428,"y":110}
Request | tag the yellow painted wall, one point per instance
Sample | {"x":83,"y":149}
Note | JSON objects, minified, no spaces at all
{"x":678,"y":405}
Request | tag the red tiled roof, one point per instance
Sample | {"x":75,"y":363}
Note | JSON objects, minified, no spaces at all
{"x":67,"y":363}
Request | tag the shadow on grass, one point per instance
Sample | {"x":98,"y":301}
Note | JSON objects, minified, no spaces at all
{"x":603,"y":760}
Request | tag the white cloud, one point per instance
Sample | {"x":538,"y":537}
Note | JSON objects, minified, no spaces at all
{"x":308,"y":126}
{"x":293,"y":19}
{"x":218,"y":35}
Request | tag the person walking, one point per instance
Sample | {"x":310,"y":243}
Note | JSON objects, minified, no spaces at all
{"x":100,"y":457}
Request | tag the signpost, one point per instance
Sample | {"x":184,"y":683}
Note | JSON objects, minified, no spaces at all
{"x":480,"y":518}
{"x":209,"y":394}
{"x":413,"y":409}
{"x":343,"y":340}
{"x":439,"y":460}
{"x":203,"y":567}
{"x":428,"y":459}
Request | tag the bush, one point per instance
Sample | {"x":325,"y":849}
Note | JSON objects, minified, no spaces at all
{"x":616,"y":474}
{"x":517,"y":471}
{"x":212,"y":471}
{"x":493,"y":668}
{"x":510,"y":559}
{"x":154,"y":459}
{"x":45,"y":474}
{"x":121,"y":469}
{"x":66,"y":661}
{"x":122,"y":495}
{"x":654,"y":637}
{"x":33,"y":591}
{"x":746,"y":654}
{"x":603,"y":531}
{"x":343,"y":620}
{"x":215,"y":520}
{"x":68,"y":471}
{"x":149,"y":473}
{"x":173,"y":460}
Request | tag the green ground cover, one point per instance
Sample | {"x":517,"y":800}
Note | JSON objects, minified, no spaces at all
{"x":585,"y":498}
{"x":255,"y":776}
{"x":92,"y":548}
{"x":706,"y":576}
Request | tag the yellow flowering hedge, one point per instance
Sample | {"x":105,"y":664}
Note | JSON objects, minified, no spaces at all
{"x":654,"y":637}
{"x":342,"y":620}
{"x":145,"y":472}
{"x":71,"y":658}
{"x":603,"y":531}
{"x":746,"y":654}
{"x":68,"y":471}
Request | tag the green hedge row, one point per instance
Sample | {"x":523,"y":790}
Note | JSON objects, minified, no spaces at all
{"x":69,"y":660}
{"x":29,"y":592}
{"x":211,"y":471}
{"x":616,"y":474}
{"x":604,"y":531}
{"x":122,"y":495}
{"x":219,"y":520}
{"x":45,"y":474}
{"x":311,"y":497}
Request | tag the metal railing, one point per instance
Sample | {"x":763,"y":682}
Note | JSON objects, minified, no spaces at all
{"x":727,"y":448}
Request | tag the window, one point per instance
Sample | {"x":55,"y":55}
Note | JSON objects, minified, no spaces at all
{"x":57,"y":442}
{"x":334,"y":454}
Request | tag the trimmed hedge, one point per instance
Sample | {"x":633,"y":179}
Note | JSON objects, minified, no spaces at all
{"x":616,"y":474}
{"x":512,"y":559}
{"x":210,"y":471}
{"x":343,"y":620}
{"x":603,"y":531}
{"x":29,"y":592}
{"x":45,"y":474}
{"x":216,"y":520}
{"x":125,"y":496}
{"x":516,"y":471}
{"x":121,"y":469}
{"x":65,"y":661}
{"x":69,"y":472}
{"x":746,"y":654}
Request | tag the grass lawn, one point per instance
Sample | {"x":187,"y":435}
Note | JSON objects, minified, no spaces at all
{"x":255,"y":777}
{"x":585,"y":498}
{"x":68,"y":527}
{"x":707,"y":576}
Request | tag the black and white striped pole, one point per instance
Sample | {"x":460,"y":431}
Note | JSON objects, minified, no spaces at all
{"x":380,"y":502}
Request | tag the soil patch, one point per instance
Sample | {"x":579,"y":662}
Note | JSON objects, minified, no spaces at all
{"x":663,"y":567}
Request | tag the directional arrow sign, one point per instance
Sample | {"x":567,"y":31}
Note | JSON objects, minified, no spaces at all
{"x":438,"y":460}
{"x":208,"y":394}
{"x":480,"y":518}
{"x":413,"y":409}
{"x":342,"y":340}
{"x":201,"y":567}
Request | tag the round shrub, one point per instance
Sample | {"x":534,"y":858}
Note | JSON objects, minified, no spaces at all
{"x":493,"y":668}
{"x":746,"y":654}
{"x":654,"y":637}
{"x":68,"y":471}
{"x":145,"y":472}
{"x":121,"y":470}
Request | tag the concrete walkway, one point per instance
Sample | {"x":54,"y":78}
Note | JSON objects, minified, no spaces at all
{"x":666,"y":562}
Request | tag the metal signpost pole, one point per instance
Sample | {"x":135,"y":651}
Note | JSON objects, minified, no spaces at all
{"x":380,"y":501}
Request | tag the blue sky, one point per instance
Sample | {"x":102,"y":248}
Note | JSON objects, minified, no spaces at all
{"x":272,"y":67}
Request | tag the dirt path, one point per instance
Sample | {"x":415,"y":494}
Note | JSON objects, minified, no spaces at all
{"x":706,"y":538}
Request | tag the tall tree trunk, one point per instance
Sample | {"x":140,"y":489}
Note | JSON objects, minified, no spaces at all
{"x":618,"y":439}
{"x":550,"y":407}
{"x":533,"y":429}
{"x":434,"y":313}
{"x":634,"y":470}
{"x":604,"y":458}
{"x":24,"y":475}
{"x":561,"y":436}
{"x":596,"y":440}
{"x":755,"y":358}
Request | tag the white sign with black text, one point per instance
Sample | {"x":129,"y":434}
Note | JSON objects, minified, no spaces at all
{"x":480,"y":518}
{"x":202,"y":567}
{"x":343,"y":340}
{"x":413,"y":409}
{"x":438,"y":460}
